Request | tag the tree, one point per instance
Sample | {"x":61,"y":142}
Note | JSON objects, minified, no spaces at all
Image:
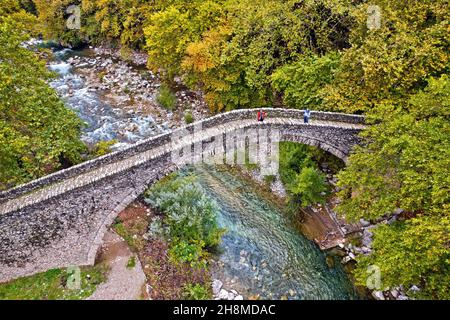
{"x":384,"y":65}
{"x":311,"y":74}
{"x":405,"y":160}
{"x":38,"y":134}
{"x":233,"y":62}
{"x":293,"y":158}
{"x":405,"y":165}
{"x":53,"y":17}
{"x":169,"y":32}
{"x":19,"y":13}
{"x":220,"y":76}
{"x":398,"y":75}
{"x":412,"y":252}
{"x":310,"y":187}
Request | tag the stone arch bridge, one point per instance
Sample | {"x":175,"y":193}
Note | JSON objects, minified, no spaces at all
{"x":60,"y":219}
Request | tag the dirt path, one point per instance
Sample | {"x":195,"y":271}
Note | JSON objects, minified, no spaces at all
{"x":123,"y":283}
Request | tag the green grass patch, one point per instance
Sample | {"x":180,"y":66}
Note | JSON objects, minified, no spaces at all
{"x":166,"y":98}
{"x":53,"y":285}
{"x":132,"y":234}
{"x":124,"y":233}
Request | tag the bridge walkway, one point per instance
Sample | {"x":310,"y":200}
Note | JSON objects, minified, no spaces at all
{"x":91,"y":176}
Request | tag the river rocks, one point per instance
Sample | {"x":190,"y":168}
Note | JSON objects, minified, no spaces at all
{"x":378,"y":295}
{"x":364,"y":222}
{"x":391,"y":220}
{"x":220,"y":293}
{"x":414,"y":289}
{"x":217,"y":286}
{"x":346,"y":259}
{"x":223,"y":294}
{"x":366,"y":239}
{"x":128,"y":85}
{"x":366,"y":250}
{"x":228,"y":295}
{"x":395,"y":293}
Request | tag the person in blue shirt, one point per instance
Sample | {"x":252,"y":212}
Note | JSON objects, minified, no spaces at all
{"x":306,"y":115}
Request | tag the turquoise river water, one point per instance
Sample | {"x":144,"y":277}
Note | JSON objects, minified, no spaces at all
{"x":262,"y":252}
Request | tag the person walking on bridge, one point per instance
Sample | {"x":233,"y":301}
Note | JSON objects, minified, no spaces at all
{"x":261,"y":115}
{"x":306,"y":115}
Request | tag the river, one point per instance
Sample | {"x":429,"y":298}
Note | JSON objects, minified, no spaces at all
{"x":103,"y":120}
{"x":262,"y":253}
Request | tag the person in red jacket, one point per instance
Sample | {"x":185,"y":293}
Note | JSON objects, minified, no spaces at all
{"x":261,"y":115}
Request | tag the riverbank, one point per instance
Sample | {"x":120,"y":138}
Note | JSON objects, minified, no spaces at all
{"x":164,"y":280}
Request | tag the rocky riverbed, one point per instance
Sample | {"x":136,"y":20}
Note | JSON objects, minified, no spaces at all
{"x":131,"y":86}
{"x":117,"y":99}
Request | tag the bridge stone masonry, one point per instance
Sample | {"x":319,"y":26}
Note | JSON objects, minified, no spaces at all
{"x":60,"y":220}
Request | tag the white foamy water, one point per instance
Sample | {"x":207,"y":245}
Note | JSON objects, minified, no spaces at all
{"x":103,"y":121}
{"x":61,"y":68}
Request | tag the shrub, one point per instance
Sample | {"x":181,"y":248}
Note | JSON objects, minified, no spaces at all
{"x":102,"y":148}
{"x":196,"y":292}
{"x":191,"y":253}
{"x":293,"y":157}
{"x":166,"y":98}
{"x":190,"y":218}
